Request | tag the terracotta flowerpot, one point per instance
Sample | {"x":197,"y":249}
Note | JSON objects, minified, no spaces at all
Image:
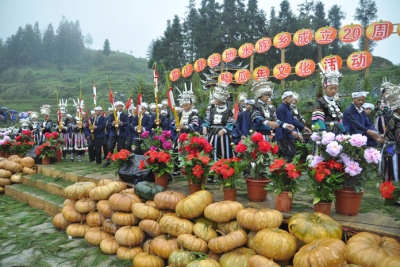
{"x":193,"y":188}
{"x":323,"y":207}
{"x":348,"y":202}
{"x":46,"y":160}
{"x":161,"y":180}
{"x":230,"y":193}
{"x":58,"y":157}
{"x":6,"y":154}
{"x":203,"y":180}
{"x":283,"y":202}
{"x":2,"y":154}
{"x":255,"y":189}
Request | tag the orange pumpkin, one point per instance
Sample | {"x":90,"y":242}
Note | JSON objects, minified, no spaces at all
{"x":228,"y":242}
{"x":192,"y":243}
{"x":125,"y":253}
{"x":236,"y":257}
{"x":85,"y":205}
{"x":123,"y":202}
{"x":95,"y":219}
{"x":199,"y":65}
{"x":367,"y":249}
{"x":324,"y":252}
{"x":282,"y":71}
{"x":282,"y":40}
{"x":187,"y":70}
{"x":174,"y":75}
{"x":173,"y":225}
{"x":325,"y":35}
{"x":242,"y":76}
{"x":79,"y":190}
{"x":144,"y":259}
{"x":144,"y":211}
{"x":350,"y":33}
{"x":229,"y":54}
{"x":263,"y":45}
{"x":214,"y":60}
{"x":104,"y":208}
{"x":95,"y":235}
{"x":256,"y":219}
{"x":129,"y":236}
{"x":223,"y":211}
{"x":260,"y":261}
{"x":260,"y":72}
{"x":168,"y":200}
{"x":246,"y":50}
{"x":163,"y":246}
{"x":59,"y":222}
{"x":124,"y":218}
{"x":150,"y":227}
{"x":72,"y":215}
{"x":77,"y":230}
{"x":225,"y":77}
{"x":109,"y":246}
{"x":333,"y":61}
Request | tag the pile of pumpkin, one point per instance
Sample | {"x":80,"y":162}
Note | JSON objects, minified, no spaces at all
{"x":153,"y":227}
{"x":12,"y":168}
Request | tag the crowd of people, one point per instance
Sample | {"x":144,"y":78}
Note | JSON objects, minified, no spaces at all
{"x":99,"y":132}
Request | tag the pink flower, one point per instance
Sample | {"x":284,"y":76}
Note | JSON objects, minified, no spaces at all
{"x":145,"y":134}
{"x":153,"y":148}
{"x":353,"y":168}
{"x":372,"y":155}
{"x":315,"y":136}
{"x":327,"y":138}
{"x":167,"y":145}
{"x":2,"y":142}
{"x":316,"y":159}
{"x":155,"y":137}
{"x":167,"y":134}
{"x":358,"y":140}
{"x":345,"y":158}
{"x":333,"y":148}
{"x":162,"y":139}
{"x":339,"y":138}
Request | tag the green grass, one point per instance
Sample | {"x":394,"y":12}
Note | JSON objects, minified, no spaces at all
{"x":40,"y":193}
{"x":45,"y":179}
{"x":27,"y":238}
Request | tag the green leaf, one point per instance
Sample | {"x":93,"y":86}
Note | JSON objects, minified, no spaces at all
{"x":316,"y":200}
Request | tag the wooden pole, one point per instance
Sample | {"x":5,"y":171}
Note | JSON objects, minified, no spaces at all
{"x":283,"y":61}
{"x":366,"y":48}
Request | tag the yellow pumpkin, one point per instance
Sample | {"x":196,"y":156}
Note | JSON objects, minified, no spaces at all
{"x":391,"y":261}
{"x":100,"y":192}
{"x":207,"y":262}
{"x":79,"y":190}
{"x":193,"y":206}
{"x":95,"y":235}
{"x":110,"y":227}
{"x":150,"y":227}
{"x":68,"y":201}
{"x":129,"y":236}
{"x":261,"y":261}
{"x":104,"y":208}
{"x":236,"y":257}
{"x":168,"y":200}
{"x":72,"y":215}
{"x":204,"y":231}
{"x":228,"y":242}
{"x":12,"y":166}
{"x":95,"y":219}
{"x":16,"y":178}
{"x":123,"y":202}
{"x":125,"y":253}
{"x":173,"y":225}
{"x":77,"y":230}
{"x":5,"y":174}
{"x":124,"y":218}
{"x":144,"y":259}
{"x":163,"y":246}
{"x":275,"y":244}
{"x":4,"y":182}
{"x":223,"y":211}
{"x":26,"y":170}
{"x":308,"y":226}
{"x":109,"y":246}
{"x":144,"y":211}
{"x":192,"y":243}
{"x":228,"y":227}
{"x":2,"y":190}
{"x":59,"y":222}
{"x":27,"y":162}
{"x":256,"y":219}
{"x":85,"y":205}
{"x":324,"y":252}
{"x":367,"y":249}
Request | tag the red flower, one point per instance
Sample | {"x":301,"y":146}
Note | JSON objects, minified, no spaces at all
{"x":54,"y":135}
{"x":204,"y":159}
{"x":257,"y":137}
{"x":240,"y":148}
{"x":264,"y":146}
{"x":26,"y":132}
{"x":47,"y":135}
{"x":321,"y":172}
{"x":277,"y":165}
{"x":207,"y":148}
{"x":18,"y":138}
{"x":387,"y":189}
{"x":275,"y":149}
{"x":183,"y":137}
{"x":292,"y":171}
{"x":142,"y":165}
{"x":197,"y":171}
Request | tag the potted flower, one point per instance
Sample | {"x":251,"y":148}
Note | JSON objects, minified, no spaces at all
{"x":390,"y":192}
{"x":360,"y":164}
{"x":284,"y":181}
{"x":46,"y":151}
{"x":5,"y":143}
{"x":117,"y":159}
{"x":161,"y":163}
{"x":25,"y":142}
{"x":258,"y":154}
{"x":161,"y":139}
{"x":195,"y":166}
{"x":324,"y":178}
{"x":228,"y":170}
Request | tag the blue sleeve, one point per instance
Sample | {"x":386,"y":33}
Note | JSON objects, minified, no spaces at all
{"x":350,"y":121}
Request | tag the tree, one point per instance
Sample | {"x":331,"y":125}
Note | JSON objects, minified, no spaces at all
{"x":335,"y":16}
{"x":49,"y":44}
{"x":366,"y":12}
{"x":189,"y":28}
{"x":69,"y":42}
{"x":172,"y":44}
{"x":88,"y":40}
{"x":106,"y":48}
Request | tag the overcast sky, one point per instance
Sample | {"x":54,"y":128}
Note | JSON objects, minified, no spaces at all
{"x":131,"y":25}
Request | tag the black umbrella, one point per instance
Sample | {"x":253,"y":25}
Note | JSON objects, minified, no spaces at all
{"x":13,"y":111}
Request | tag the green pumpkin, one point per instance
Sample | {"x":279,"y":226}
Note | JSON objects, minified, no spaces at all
{"x":180,"y":258}
{"x":204,"y":262}
{"x":148,"y":190}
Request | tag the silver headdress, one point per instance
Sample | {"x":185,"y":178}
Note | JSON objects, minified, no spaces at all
{"x":24,"y":123}
{"x":211,"y":99}
{"x":186,"y":96}
{"x":34,"y":115}
{"x":329,"y":76}
{"x":79,"y":105}
{"x":295,"y":96}
{"x":242,"y":96}
{"x":45,"y":110}
{"x":220,"y":92}
{"x":385,"y":84}
{"x":63,"y":105}
{"x":262,"y":87}
{"x":393,"y":97}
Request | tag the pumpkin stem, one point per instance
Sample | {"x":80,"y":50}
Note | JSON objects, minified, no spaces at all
{"x":202,"y":256}
{"x":218,"y":231}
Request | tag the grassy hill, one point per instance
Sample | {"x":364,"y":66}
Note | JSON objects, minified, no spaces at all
{"x":29,"y":88}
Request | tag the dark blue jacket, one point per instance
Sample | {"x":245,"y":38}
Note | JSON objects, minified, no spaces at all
{"x":243,"y":126}
{"x":147,"y":124}
{"x":101,"y":125}
{"x":357,"y":123}
{"x":122,"y":129}
{"x":284,"y":114}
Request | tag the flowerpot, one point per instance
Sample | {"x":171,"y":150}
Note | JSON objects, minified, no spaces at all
{"x":323,"y":207}
{"x":2,"y":154}
{"x":6,"y":154}
{"x":193,"y":188}
{"x":203,"y":180}
{"x":46,"y":160}
{"x":230,"y":193}
{"x":283,"y":201}
{"x":255,"y":189}
{"x":348,"y":202}
{"x":161,"y":180}
{"x":58,"y":157}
